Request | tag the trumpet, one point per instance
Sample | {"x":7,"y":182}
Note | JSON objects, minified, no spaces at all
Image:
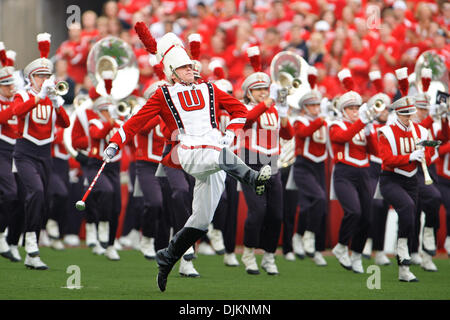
{"x":61,"y":88}
{"x":374,"y":109}
{"x":123,"y":109}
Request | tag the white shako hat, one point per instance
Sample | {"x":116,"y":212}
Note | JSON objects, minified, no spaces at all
{"x":311,"y":97}
{"x":41,"y":65}
{"x":224,"y":85}
{"x":405,"y":106}
{"x":350,"y":98}
{"x":172,"y":54}
{"x":6,"y":67}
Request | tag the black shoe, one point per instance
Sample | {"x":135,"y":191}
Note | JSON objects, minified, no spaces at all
{"x":164,"y":269}
{"x":8,"y":255}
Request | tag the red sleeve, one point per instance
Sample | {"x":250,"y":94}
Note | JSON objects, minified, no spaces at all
{"x":341,"y":136}
{"x":444,"y":149}
{"x":21,"y":108}
{"x":97,"y":133}
{"x":303,"y":131}
{"x":254,"y":114}
{"x":149,"y":126}
{"x":238,"y":112}
{"x":372,"y":144}
{"x":62,"y":119}
{"x":427,"y":123}
{"x":79,"y":139}
{"x":5,"y":115}
{"x":149,"y":111}
{"x":287,"y":132}
{"x":59,"y":136}
{"x":443,"y":133}
{"x":386,"y":155}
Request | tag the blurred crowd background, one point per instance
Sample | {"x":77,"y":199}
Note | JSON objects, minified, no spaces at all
{"x":362,"y":35}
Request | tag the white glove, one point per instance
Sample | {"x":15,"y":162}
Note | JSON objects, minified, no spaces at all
{"x":227,"y":139}
{"x":368,"y":129}
{"x":278,"y":94}
{"x":110,"y":152}
{"x":282,"y":110}
{"x":49,"y":83}
{"x":57,"y":101}
{"x":363,"y":114}
{"x":417,"y":155}
{"x":324,"y":107}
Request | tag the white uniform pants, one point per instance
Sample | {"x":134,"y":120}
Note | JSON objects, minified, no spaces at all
{"x":203,"y":165}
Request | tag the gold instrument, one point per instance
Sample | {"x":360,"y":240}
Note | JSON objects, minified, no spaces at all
{"x":123,"y":108}
{"x":61,"y":88}
{"x":426,"y":174}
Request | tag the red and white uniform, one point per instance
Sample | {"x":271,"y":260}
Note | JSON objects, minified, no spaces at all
{"x":310,"y":138}
{"x":350,"y":143}
{"x":8,"y":121}
{"x":150,"y":142}
{"x":36,"y":123}
{"x":442,"y":132}
{"x":263,"y":131}
{"x":99,"y":133}
{"x":58,"y":149}
{"x":374,"y":155}
{"x":396,"y":143}
{"x":191,"y":113}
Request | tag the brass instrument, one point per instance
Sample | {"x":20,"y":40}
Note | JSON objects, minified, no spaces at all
{"x":114,"y":55}
{"x":286,"y":69}
{"x":61,"y":88}
{"x":439,"y":73}
{"x":123,"y":108}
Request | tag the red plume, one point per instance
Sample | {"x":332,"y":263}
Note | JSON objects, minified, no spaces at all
{"x":255,"y":58}
{"x":312,"y":77}
{"x":426,"y":78}
{"x":43,"y":40}
{"x":219,"y":73}
{"x":375,"y":77}
{"x":146,"y":37}
{"x":158,"y":68}
{"x":11,"y":58}
{"x":194,"y":45}
{"x":403,"y":83}
{"x":346,"y":79}
{"x":3,"y":58}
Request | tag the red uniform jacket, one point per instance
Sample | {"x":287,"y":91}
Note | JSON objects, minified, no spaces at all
{"x":350,"y":143}
{"x":36,"y":123}
{"x":8,"y":121}
{"x":310,"y":138}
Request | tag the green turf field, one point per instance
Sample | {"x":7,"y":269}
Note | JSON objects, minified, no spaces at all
{"x":134,"y":278}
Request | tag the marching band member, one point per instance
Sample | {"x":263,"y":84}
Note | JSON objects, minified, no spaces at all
{"x":8,"y":135}
{"x":380,"y":207}
{"x":149,"y":149}
{"x":223,"y":233}
{"x":260,"y":145}
{"x":429,"y":199}
{"x":59,"y":191}
{"x":351,"y":144}
{"x":81,"y":142}
{"x":309,"y":173}
{"x":105,"y":200}
{"x":38,"y":110}
{"x":398,"y":179}
{"x":189,"y":112}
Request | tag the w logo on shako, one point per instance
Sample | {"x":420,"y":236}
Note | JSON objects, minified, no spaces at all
{"x":41,"y":114}
{"x":191,"y":100}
